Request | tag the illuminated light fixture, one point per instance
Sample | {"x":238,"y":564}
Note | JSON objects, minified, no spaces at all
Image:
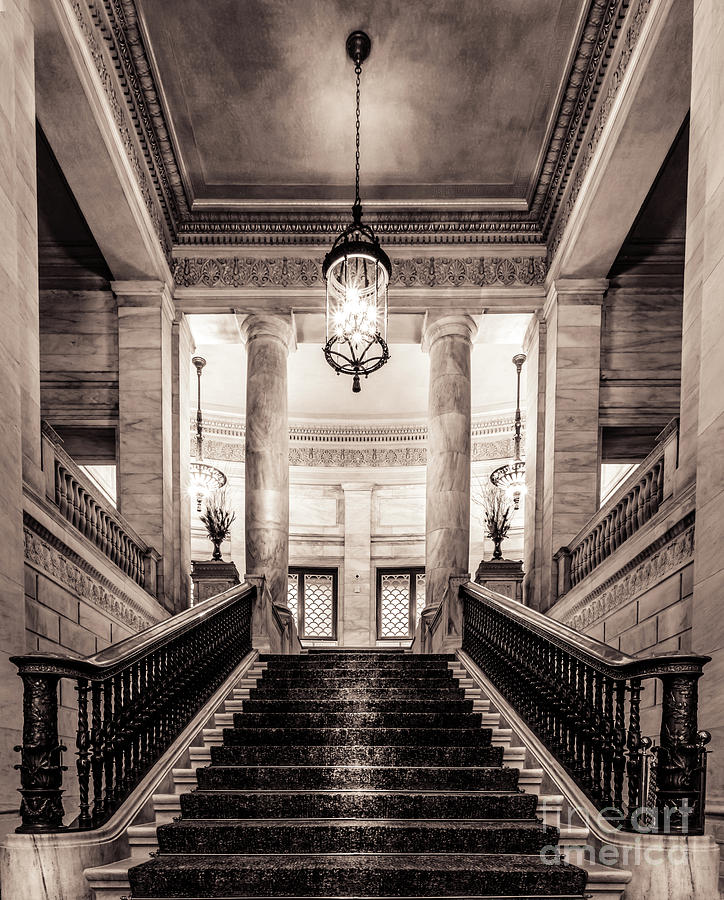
{"x":204,"y":479}
{"x":357,"y":272}
{"x":511,"y":476}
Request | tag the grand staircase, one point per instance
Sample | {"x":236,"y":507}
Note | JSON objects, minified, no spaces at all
{"x":356,"y":774}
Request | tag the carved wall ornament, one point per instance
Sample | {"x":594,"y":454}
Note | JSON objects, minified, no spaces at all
{"x":261,"y":272}
{"x":59,"y":562}
{"x":664,"y":557}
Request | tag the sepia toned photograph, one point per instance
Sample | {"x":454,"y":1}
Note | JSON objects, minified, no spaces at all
{"x":361,"y":482}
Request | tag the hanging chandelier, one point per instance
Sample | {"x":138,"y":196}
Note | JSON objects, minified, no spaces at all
{"x":511,"y":476}
{"x":357,"y":272}
{"x":204,"y":479}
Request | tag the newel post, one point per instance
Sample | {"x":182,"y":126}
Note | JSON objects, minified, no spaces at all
{"x":151,"y":560}
{"x":41,"y":772}
{"x":681,"y":754}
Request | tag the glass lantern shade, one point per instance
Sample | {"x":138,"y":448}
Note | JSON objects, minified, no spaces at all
{"x":204,"y":481}
{"x":357,"y":274}
{"x":511,"y":479}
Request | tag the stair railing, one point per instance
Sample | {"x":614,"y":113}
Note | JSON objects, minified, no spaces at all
{"x":134,"y":698}
{"x":635,"y":502}
{"x":583,"y":700}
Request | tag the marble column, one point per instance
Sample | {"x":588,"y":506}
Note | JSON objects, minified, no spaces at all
{"x":448,"y":341}
{"x":573,"y":374}
{"x":357,"y":621}
{"x":534,"y":347}
{"x":269,"y":339}
{"x":19,"y":368}
{"x":145,"y":420}
{"x":183,"y":349}
{"x":703,"y":292}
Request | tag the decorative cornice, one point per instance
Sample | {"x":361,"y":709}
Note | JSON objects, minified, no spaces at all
{"x":129,"y":83}
{"x":633,"y":32}
{"x":659,"y":560}
{"x":44,"y":551}
{"x":354,"y":445}
{"x":432,"y":271}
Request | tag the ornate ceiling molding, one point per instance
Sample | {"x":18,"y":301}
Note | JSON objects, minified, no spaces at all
{"x":115,"y":40}
{"x":432,"y":271}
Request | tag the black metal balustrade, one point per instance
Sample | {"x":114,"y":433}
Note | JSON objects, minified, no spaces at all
{"x":583,"y":700}
{"x":134,"y":699}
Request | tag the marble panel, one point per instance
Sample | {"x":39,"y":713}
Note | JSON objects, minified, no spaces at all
{"x":312,"y":512}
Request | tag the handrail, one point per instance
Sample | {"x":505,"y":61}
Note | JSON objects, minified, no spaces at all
{"x":143,"y":691}
{"x":81,"y":503}
{"x":632,"y":505}
{"x":572,"y":690}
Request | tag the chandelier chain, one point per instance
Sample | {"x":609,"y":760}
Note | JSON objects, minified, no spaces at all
{"x":357,"y":208}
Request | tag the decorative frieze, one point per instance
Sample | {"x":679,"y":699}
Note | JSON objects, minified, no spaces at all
{"x":664,"y":557}
{"x":60,"y":563}
{"x":296,"y":272}
{"x":354,"y":445}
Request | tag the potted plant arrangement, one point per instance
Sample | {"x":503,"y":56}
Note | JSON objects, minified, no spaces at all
{"x":496,"y":511}
{"x":218,"y":518}
{"x":505,"y":576}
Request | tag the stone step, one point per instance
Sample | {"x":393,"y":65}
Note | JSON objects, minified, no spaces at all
{"x":370,"y":737}
{"x":328,"y":657}
{"x":399,"y":875}
{"x":331,"y":755}
{"x":355,"y":836}
{"x":366,"y":705}
{"x":399,"y":693}
{"x":358,"y":777}
{"x":356,"y":804}
{"x":336,"y":719}
{"x":432,"y":679}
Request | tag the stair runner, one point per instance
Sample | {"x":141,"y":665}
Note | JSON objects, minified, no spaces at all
{"x":356,"y":774}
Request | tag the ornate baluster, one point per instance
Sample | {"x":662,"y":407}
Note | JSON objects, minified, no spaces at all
{"x":93,"y":522}
{"x":607,"y":743}
{"x":633,"y":745}
{"x":607,"y":529}
{"x":618,"y":519}
{"x":61,"y":490}
{"x":103,"y":533}
{"x":597,"y":736}
{"x":619,"y":745}
{"x":587,"y":725}
{"x":75,"y":495}
{"x":97,"y":751}
{"x":657,"y":489}
{"x":638,"y":513}
{"x":82,"y":742}
{"x":82,"y":498}
{"x":41,"y":772}
{"x":127,"y":731}
{"x":108,"y":745}
{"x":118,"y":736}
{"x":646,"y":502}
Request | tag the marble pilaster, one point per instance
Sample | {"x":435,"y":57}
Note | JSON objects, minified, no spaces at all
{"x":572,"y":380}
{"x":357,"y":626}
{"x":704,"y":287}
{"x":534,"y":347}
{"x":448,"y":341}
{"x":269,"y":339}
{"x":183,"y":348}
{"x":19,"y":367}
{"x":145,"y":420}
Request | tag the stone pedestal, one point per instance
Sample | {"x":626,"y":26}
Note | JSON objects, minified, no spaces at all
{"x":502,"y":575}
{"x":448,"y":341}
{"x":212,"y":577}
{"x":573,"y":376}
{"x":266,"y":504}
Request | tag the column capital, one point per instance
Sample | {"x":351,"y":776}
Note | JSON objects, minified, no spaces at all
{"x":270,"y":325}
{"x":145,"y":293}
{"x":439,"y":325}
{"x":575,"y":291}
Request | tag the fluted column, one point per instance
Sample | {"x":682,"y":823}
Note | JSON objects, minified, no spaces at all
{"x":448,"y":341}
{"x":269,"y":339}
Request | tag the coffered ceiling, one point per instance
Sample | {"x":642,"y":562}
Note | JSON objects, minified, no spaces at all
{"x":458,"y":99}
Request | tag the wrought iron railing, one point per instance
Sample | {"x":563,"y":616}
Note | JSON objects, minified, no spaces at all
{"x":134,"y":699}
{"x":635,"y":502}
{"x":583,"y":700}
{"x":82,"y":504}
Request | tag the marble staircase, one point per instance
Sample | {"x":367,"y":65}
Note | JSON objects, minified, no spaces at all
{"x":377,"y":773}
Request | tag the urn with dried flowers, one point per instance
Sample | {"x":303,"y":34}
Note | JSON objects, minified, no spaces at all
{"x":218,"y":518}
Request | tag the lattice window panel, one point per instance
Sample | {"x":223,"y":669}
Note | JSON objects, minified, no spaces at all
{"x":293,"y":596}
{"x":419,"y":594}
{"x":395,"y":606}
{"x":318,"y":606}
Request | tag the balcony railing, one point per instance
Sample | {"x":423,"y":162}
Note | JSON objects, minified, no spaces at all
{"x":83,"y":505}
{"x":635,"y":502}
{"x":583,"y":700}
{"x":134,"y":699}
